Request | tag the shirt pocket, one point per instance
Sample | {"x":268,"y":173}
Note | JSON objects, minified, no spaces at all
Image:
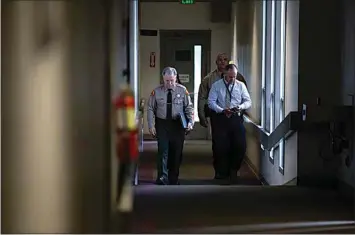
{"x":178,"y":101}
{"x":161,"y":102}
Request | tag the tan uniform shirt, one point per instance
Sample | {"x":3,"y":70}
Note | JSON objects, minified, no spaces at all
{"x":157,"y":104}
{"x":203,"y":91}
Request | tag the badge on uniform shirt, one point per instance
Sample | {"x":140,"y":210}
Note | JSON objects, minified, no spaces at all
{"x":178,"y":95}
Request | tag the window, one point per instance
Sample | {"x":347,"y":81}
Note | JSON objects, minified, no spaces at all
{"x":273,"y":71}
{"x":271,"y":67}
{"x":263,"y":69}
{"x":282,"y":80}
{"x":197,"y":76}
{"x":269,"y":70}
{"x":268,"y":64}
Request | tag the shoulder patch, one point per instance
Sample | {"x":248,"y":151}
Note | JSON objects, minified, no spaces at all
{"x":153,"y":93}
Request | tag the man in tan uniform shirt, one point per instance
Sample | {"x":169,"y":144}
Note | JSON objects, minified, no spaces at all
{"x":222,"y":61}
{"x":165,"y":105}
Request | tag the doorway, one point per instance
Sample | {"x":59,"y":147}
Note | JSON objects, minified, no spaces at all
{"x":188,"y":51}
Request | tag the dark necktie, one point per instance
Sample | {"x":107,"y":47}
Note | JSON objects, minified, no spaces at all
{"x":228,"y":98}
{"x":169,"y":107}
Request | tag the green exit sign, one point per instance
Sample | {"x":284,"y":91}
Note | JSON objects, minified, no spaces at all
{"x":187,"y":1}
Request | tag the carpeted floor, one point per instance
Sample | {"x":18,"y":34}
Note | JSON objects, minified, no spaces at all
{"x":199,"y":202}
{"x":196,"y":168}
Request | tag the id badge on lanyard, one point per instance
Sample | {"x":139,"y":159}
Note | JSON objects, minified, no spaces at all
{"x":229,"y":91}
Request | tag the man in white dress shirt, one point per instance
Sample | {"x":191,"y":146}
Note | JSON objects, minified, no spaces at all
{"x":228,"y":97}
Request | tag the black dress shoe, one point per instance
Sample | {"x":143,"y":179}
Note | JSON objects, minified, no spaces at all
{"x":162,"y":181}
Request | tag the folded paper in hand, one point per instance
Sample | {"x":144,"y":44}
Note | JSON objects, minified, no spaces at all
{"x":183,"y":120}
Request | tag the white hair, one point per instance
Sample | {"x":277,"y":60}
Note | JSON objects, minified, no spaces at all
{"x":169,"y":71}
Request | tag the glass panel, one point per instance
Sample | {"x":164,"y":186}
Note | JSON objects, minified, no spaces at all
{"x":263,"y":65}
{"x":268,"y":63}
{"x":197,"y":76}
{"x":272,"y":65}
{"x":282,"y":78}
{"x":270,"y":81}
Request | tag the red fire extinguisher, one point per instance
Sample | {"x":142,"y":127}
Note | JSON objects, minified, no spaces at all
{"x":127,"y":151}
{"x":127,"y":129}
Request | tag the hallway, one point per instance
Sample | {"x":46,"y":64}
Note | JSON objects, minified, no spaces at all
{"x":66,"y":61}
{"x":197,"y":203}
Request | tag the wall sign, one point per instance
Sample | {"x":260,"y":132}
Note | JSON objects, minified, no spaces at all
{"x":152,"y":60}
{"x":184,"y":78}
{"x":187,"y":1}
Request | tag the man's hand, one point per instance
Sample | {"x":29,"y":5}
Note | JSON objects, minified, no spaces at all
{"x":153,"y":132}
{"x":204,"y":122}
{"x":228,"y":112}
{"x":237,"y":110}
{"x":189,"y":128}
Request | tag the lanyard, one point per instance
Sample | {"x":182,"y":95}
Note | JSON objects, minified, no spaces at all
{"x":229,"y":91}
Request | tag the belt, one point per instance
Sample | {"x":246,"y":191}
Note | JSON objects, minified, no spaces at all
{"x":168,"y":120}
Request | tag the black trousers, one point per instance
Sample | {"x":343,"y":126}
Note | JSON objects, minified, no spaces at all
{"x":230,"y":143}
{"x":171,"y":137}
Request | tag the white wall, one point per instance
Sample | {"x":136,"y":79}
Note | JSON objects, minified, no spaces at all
{"x":234,"y":34}
{"x":163,"y":16}
{"x":248,"y":53}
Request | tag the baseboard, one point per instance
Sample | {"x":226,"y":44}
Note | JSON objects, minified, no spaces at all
{"x":255,"y":170}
